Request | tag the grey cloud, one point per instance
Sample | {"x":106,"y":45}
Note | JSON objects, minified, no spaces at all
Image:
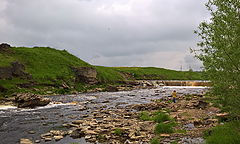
{"x":112,"y":30}
{"x":192,"y":63}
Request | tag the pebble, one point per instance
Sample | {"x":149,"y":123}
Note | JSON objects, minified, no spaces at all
{"x":57,"y":138}
{"x":31,"y":132}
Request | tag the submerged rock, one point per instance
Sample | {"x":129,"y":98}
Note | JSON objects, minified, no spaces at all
{"x":30,"y":100}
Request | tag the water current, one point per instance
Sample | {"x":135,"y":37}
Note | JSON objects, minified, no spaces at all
{"x":16,"y":123}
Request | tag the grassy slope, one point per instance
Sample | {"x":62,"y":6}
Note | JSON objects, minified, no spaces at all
{"x":159,"y":73}
{"x":51,"y":66}
{"x":46,"y":65}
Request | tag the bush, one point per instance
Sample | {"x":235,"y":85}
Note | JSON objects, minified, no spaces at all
{"x":160,"y":117}
{"x":145,"y":116}
{"x":163,"y":128}
{"x":224,"y":134}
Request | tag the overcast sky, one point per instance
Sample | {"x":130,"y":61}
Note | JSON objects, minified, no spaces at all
{"x":108,"y":32}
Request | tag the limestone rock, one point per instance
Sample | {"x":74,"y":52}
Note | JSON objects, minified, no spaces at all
{"x":4,"y":48}
{"x":30,"y":100}
{"x":46,"y":135}
{"x":58,"y":132}
{"x":15,"y":70}
{"x":86,"y":75}
{"x":57,"y":138}
{"x":48,"y":139}
{"x":31,"y":132}
{"x":90,"y":132}
{"x":222,"y":114}
{"x":77,"y":133}
{"x":78,"y":122}
{"x":25,"y":141}
{"x":165,"y":135}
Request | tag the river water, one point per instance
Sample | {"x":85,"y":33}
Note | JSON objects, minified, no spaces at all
{"x":17,"y":123}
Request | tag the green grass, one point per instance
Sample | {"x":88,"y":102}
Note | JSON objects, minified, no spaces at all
{"x":155,"y":140}
{"x":108,"y":74}
{"x":163,"y":128}
{"x":181,"y":131}
{"x":118,"y":132}
{"x":152,"y":73}
{"x":11,"y":83}
{"x":160,"y":117}
{"x":5,"y":60}
{"x":145,"y":116}
{"x":229,"y":133}
{"x":46,"y":63}
{"x":157,"y":116}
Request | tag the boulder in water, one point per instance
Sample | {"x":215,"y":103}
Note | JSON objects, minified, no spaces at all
{"x":30,"y":100}
{"x":111,"y":88}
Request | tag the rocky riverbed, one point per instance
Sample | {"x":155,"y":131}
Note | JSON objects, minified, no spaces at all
{"x":83,"y":117}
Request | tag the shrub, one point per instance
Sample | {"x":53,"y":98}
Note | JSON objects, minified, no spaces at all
{"x":224,"y":134}
{"x":163,"y":128}
{"x":160,"y":117}
{"x":145,"y":116}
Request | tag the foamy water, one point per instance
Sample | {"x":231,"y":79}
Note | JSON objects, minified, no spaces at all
{"x":5,"y":107}
{"x":184,"y":87}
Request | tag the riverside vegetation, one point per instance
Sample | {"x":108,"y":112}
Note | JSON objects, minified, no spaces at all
{"x":219,"y":51}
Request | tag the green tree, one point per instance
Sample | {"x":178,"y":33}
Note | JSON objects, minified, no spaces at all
{"x":220,"y":51}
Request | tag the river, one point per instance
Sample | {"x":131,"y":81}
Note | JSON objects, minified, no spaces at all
{"x":16,"y":123}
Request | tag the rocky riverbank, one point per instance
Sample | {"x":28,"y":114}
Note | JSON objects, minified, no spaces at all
{"x":191,"y":114}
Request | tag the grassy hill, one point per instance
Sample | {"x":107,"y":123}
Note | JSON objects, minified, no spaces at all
{"x":50,"y":70}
